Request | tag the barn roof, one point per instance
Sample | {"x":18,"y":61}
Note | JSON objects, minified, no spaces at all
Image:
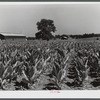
{"x":12,"y":34}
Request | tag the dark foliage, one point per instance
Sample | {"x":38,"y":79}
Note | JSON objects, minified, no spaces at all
{"x":85,"y":35}
{"x":45,"y":27}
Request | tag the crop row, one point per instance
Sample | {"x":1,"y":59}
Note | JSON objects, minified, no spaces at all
{"x":66,"y":64}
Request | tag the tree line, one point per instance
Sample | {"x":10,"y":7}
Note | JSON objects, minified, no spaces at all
{"x":86,"y":35}
{"x":46,"y":28}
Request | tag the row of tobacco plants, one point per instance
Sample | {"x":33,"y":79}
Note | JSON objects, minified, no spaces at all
{"x":66,"y":64}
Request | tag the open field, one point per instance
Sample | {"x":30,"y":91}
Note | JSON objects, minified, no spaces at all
{"x":50,"y":65}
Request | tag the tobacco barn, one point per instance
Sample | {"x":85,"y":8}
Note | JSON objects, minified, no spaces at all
{"x":6,"y":36}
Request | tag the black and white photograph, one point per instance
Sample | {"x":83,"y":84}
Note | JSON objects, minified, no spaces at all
{"x":49,"y":46}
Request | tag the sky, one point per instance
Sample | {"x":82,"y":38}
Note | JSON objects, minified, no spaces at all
{"x":68,"y":18}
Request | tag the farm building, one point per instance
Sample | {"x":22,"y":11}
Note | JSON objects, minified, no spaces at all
{"x":5,"y":36}
{"x":64,"y":37}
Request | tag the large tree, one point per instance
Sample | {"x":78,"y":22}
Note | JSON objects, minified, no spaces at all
{"x":45,"y":28}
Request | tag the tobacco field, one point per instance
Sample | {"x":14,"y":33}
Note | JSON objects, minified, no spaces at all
{"x":49,"y":65}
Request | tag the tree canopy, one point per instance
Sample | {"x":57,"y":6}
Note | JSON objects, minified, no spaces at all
{"x":45,"y":28}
